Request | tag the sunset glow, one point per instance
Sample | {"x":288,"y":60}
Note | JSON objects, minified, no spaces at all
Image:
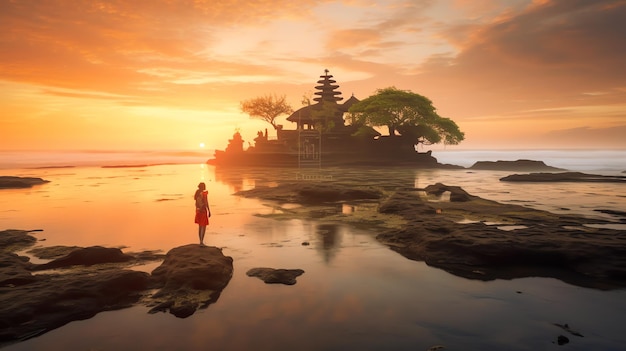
{"x":165,"y":74}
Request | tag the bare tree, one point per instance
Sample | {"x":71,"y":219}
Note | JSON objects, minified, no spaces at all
{"x":266,"y":108}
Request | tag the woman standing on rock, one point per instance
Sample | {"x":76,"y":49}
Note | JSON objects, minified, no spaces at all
{"x":203,"y":212}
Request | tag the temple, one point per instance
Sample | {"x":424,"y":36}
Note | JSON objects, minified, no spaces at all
{"x":322,"y":137}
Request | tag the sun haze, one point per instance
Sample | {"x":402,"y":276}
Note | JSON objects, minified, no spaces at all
{"x":165,"y":74}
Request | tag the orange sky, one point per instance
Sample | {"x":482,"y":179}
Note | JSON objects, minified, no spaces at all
{"x":167,"y":74}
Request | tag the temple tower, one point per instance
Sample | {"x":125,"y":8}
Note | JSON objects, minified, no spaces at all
{"x":327,"y":89}
{"x":325,"y":113}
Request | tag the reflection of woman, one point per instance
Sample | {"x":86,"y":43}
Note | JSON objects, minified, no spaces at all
{"x":203,"y":212}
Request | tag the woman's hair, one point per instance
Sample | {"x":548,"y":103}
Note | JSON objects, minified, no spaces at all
{"x":201,"y":188}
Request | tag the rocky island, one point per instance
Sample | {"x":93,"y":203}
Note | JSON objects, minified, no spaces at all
{"x":323,"y":138}
{"x":518,"y":165}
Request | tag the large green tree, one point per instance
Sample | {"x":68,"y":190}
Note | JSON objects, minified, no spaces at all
{"x":266,"y":108}
{"x":408,"y":114}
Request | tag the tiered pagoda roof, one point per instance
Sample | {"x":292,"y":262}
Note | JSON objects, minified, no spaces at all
{"x":327,"y":89}
{"x":327,"y":93}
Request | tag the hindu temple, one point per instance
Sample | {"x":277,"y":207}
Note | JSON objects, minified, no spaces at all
{"x":323,"y":136}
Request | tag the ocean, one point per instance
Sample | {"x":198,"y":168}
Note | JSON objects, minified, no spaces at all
{"x":355,"y":293}
{"x":604,"y":161}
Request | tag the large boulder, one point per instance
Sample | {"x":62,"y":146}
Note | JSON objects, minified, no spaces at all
{"x":191,"y":277}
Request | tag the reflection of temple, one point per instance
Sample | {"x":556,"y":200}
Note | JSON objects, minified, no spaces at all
{"x":322,"y":134}
{"x":330,"y":238}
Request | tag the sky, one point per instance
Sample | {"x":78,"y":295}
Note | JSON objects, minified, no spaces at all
{"x":171,"y":74}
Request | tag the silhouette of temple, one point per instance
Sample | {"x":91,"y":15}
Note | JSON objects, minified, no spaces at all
{"x":322,"y":137}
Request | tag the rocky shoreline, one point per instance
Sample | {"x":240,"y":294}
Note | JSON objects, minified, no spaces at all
{"x":466,"y":235}
{"x":79,"y":282}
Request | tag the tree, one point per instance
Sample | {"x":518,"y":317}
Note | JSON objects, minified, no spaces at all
{"x":410,"y":115}
{"x":266,"y":108}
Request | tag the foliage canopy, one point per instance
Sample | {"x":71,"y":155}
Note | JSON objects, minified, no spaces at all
{"x":409,"y":114}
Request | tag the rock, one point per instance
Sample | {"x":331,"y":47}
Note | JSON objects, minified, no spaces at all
{"x":546,"y":245}
{"x":87,"y":257}
{"x":518,"y":165}
{"x":190,"y":277}
{"x":276,"y":276}
{"x":312,"y":193}
{"x":13,"y":240}
{"x":563,"y":177}
{"x":404,"y":202}
{"x":457,"y":194}
{"x":33,"y":304}
{"x":328,"y":193}
{"x":51,"y":301}
{"x":10,"y":182}
{"x":543,"y":244}
{"x":52,"y":252}
{"x":14,"y":270}
{"x":562,"y":340}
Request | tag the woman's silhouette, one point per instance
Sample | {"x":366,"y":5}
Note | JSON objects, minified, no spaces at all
{"x":203,"y":212}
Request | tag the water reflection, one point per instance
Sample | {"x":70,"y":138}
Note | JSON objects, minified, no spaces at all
{"x":355,"y":293}
{"x":243,"y":178}
{"x":329,"y":236}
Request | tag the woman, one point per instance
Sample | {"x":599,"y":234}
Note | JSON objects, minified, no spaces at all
{"x":203,"y":212}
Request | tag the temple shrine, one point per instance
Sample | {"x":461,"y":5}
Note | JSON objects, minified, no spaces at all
{"x":322,"y":137}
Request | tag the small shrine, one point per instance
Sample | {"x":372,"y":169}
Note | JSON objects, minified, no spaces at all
{"x":235,"y":144}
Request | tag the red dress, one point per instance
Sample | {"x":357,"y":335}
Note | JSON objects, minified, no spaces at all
{"x":202,"y":212}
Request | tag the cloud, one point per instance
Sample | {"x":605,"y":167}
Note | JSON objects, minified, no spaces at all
{"x":349,"y":38}
{"x":105,"y":44}
{"x":548,"y":55}
{"x":556,"y":42}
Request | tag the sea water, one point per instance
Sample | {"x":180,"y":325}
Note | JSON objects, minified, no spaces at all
{"x":355,"y":293}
